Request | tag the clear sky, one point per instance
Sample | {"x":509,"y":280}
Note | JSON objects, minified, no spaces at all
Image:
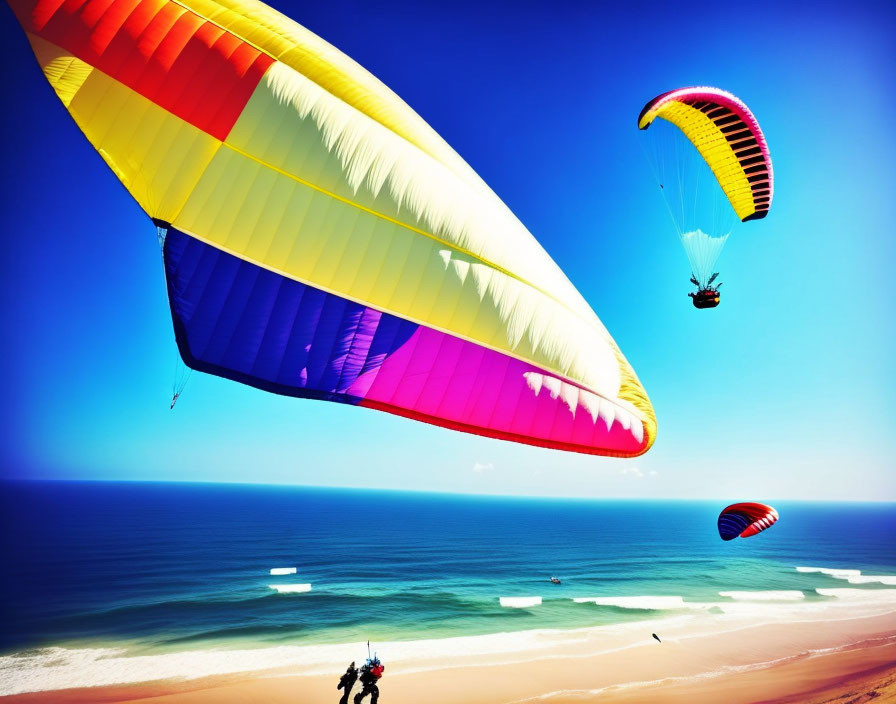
{"x":787,"y":390}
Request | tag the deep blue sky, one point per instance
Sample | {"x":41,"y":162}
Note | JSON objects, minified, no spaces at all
{"x":786,"y":390}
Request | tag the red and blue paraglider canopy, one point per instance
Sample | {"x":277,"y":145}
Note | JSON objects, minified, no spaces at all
{"x":745,"y":519}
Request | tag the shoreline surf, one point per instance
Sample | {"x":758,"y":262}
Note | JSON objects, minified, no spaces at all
{"x":562,"y":666}
{"x":59,"y":668}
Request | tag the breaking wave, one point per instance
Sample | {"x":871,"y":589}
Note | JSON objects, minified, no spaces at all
{"x":772,"y":595}
{"x":291,"y":588}
{"x":646,"y":603}
{"x":519,"y":602}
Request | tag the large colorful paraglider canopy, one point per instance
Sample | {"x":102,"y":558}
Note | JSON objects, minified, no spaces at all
{"x":728,"y":137}
{"x":745,"y":519}
{"x":320,"y":240}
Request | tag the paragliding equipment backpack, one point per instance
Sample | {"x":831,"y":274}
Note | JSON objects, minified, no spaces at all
{"x":372,"y":671}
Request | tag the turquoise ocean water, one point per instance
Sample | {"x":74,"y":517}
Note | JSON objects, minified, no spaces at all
{"x":162,"y":567}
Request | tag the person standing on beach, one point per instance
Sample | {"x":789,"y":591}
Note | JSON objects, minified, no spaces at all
{"x":370,"y":675}
{"x":347,"y":681}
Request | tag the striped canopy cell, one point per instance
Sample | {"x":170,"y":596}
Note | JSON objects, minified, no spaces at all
{"x":321,"y":240}
{"x":745,"y":519}
{"x":728,"y":137}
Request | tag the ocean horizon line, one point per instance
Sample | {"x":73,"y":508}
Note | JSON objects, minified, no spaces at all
{"x":435,"y":494}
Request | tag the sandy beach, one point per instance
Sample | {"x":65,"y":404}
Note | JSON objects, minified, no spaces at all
{"x":839,"y":659}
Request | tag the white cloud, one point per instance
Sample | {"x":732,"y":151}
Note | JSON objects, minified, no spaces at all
{"x":633,"y":471}
{"x":480,"y":467}
{"x":652,"y":473}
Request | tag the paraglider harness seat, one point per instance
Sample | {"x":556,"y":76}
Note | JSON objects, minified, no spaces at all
{"x":706,"y":298}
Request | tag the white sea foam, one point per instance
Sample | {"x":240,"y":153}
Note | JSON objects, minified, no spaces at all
{"x":882,"y":596}
{"x":291,"y":588}
{"x":520,"y":602}
{"x":853,"y":576}
{"x":833,"y":571}
{"x":872,"y":579}
{"x":283,"y":570}
{"x":782,"y":595}
{"x":62,"y":668}
{"x":652,"y":603}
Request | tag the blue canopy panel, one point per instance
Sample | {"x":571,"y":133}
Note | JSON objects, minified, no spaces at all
{"x":237,"y":320}
{"x":733,"y":524}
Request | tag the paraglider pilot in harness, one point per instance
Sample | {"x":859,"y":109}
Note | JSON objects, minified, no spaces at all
{"x":370,"y":675}
{"x":707,"y":296}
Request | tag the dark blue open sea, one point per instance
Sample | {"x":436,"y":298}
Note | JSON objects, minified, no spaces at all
{"x":153,"y":567}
